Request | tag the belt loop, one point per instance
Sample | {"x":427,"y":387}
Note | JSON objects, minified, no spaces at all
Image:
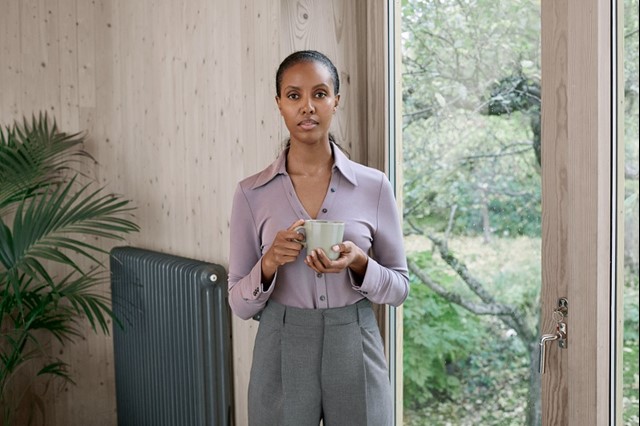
{"x":358,"y":308}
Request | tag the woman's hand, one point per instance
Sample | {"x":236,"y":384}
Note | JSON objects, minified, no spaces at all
{"x":351,"y":256}
{"x":285,"y":249}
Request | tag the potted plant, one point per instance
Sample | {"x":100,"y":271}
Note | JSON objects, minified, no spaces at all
{"x":50,"y":274}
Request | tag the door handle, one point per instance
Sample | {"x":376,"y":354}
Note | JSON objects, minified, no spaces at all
{"x":559,"y":315}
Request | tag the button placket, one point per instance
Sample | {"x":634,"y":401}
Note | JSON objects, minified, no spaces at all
{"x":331,"y":194}
{"x":294,"y":201}
{"x":321,"y":290}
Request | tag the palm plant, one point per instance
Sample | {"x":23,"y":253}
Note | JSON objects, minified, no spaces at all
{"x":49,"y":268}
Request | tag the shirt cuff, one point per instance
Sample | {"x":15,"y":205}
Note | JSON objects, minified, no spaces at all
{"x":258,"y":293}
{"x":365,"y":285}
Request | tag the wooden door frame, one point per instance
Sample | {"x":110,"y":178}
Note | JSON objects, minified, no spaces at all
{"x":579,"y":157}
{"x":393,"y":316}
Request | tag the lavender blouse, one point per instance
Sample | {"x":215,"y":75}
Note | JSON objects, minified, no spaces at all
{"x":266,"y":203}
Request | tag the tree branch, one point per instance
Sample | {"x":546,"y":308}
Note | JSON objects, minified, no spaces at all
{"x":476,"y":308}
{"x":511,"y":316}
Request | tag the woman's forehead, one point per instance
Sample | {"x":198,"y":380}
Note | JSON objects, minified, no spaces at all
{"x":308,"y":73}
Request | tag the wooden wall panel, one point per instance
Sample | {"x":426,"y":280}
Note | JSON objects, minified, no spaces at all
{"x":177,"y":99}
{"x":86,"y":45}
{"x":375,"y":37}
{"x":261,"y":132}
{"x":67,"y":63}
{"x":10,"y":50}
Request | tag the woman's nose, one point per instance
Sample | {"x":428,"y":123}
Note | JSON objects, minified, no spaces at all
{"x":307,"y":106}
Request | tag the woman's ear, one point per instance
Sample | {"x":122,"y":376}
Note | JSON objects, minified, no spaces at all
{"x":336,"y":102}
{"x":278,"y":103}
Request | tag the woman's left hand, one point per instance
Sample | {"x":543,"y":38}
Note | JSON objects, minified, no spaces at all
{"x":351,"y":256}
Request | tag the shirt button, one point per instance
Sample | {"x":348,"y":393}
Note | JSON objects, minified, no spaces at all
{"x":319,"y":275}
{"x":324,"y":210}
{"x":322,"y":298}
{"x":333,"y":190}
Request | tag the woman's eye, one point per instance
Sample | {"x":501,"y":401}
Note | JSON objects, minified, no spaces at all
{"x":293,"y":96}
{"x":321,"y":95}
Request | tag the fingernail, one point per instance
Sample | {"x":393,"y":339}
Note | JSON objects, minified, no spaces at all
{"x":335,"y":248}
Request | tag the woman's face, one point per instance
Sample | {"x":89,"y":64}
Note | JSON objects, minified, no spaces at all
{"x":307,"y":101}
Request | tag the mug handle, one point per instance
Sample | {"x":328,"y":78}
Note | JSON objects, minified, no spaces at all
{"x":301,"y":230}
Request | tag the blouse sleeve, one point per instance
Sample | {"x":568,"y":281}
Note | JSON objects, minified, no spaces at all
{"x":246,"y":291}
{"x":386,"y":280}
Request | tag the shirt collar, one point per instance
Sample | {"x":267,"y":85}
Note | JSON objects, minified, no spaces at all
{"x":278,"y":167}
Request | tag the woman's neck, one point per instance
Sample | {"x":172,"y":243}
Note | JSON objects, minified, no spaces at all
{"x":309,"y":160}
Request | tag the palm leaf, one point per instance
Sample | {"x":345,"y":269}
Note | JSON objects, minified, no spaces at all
{"x":45,"y":217}
{"x":32,"y":156}
{"x":56,"y":310}
{"x":54,"y":222}
{"x":37,"y":307}
{"x":58,"y":369}
{"x":81,"y":297}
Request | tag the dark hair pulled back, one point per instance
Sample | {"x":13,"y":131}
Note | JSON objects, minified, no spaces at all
{"x":307,"y":56}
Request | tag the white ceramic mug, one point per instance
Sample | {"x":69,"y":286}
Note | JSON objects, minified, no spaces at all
{"x":322,"y":234}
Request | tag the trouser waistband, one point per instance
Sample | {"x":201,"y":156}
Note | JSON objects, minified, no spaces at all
{"x":275,"y":311}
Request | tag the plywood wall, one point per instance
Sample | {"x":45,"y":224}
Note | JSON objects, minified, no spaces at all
{"x":177,"y":98}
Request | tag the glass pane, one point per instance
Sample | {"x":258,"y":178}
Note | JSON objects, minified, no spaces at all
{"x":471,"y":143}
{"x":630,"y":336}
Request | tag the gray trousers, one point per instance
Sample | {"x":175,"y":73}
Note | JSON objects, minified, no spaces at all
{"x":313,"y":364}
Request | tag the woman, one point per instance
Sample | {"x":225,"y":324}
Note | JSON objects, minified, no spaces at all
{"x":318,"y":353}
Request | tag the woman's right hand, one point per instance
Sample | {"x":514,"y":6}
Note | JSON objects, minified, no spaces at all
{"x":285,"y":248}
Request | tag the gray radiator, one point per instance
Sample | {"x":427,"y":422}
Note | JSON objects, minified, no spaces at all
{"x":172,"y":351}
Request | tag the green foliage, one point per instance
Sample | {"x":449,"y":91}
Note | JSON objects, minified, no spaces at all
{"x":631,"y":123}
{"x":479,"y":367}
{"x":455,"y":155}
{"x":631,"y":394}
{"x":437,"y":334}
{"x":495,"y":394}
{"x":49,"y":270}
{"x":630,"y":352}
{"x":631,"y":321}
{"x":491,"y":171}
{"x":520,"y":286}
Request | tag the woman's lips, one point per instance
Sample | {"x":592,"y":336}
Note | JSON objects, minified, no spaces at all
{"x":308,"y":124}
